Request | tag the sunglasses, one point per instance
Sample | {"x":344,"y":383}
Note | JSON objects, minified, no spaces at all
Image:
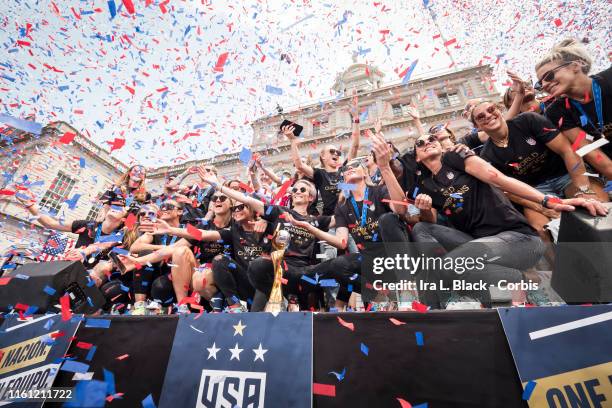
{"x":219,"y":198}
{"x":296,"y":190}
{"x":423,"y":142}
{"x":549,"y":76}
{"x":435,"y":129}
{"x":238,"y":207}
{"x":208,"y":170}
{"x":482,"y":116}
{"x":351,"y":165}
{"x":148,"y":214}
{"x":335,"y":152}
{"x":168,"y":206}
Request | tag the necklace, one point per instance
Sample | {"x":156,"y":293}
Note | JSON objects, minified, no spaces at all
{"x":501,"y":143}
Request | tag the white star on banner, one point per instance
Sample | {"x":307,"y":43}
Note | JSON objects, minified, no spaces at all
{"x":259,"y":353}
{"x":212,"y":351}
{"x":235,"y":352}
{"x":238,"y":328}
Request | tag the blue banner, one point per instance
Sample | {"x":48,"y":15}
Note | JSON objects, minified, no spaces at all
{"x":563,"y":354}
{"x":246,"y":360}
{"x":31,"y":353}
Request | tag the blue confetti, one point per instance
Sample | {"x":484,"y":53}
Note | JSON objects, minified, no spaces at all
{"x":274,"y":90}
{"x":82,"y":162}
{"x":339,"y":376}
{"x":25,"y":125}
{"x":419,"y":338}
{"x":328,"y":283}
{"x":364,"y":349}
{"x":246,"y":155}
{"x":49,"y":290}
{"x":112,"y":8}
{"x":148,"y":402}
{"x":74,"y":366}
{"x":309,"y":280}
{"x":109,"y":379}
{"x":99,"y":323}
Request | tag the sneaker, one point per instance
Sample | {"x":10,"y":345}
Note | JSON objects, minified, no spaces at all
{"x":540,"y":298}
{"x":456,"y":302}
{"x":154,"y":308}
{"x":139,"y":309}
{"x":182,"y":309}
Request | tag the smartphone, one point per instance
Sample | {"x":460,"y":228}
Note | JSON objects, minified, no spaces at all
{"x":117,"y":262}
{"x":298,"y":128}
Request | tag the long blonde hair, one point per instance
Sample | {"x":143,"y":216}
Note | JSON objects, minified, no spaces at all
{"x":568,"y":50}
{"x":140,"y":193}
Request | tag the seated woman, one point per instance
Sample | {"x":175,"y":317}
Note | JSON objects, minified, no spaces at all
{"x":530,"y":149}
{"x":582,"y":103}
{"x":467,"y":190}
{"x":130,"y":187}
{"x":239,"y":242}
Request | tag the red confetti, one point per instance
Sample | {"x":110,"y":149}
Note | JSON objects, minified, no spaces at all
{"x":56,"y":335}
{"x":83,"y":345}
{"x":122,"y":357}
{"x":281,"y":192}
{"x":67,"y":137}
{"x":558,"y":22}
{"x":5,"y":280}
{"x":129,"y":6}
{"x":327,"y":390}
{"x":396,"y":322}
{"x":404,"y":403}
{"x":449,"y":42}
{"x":221,"y":62}
{"x":578,"y":140}
{"x":65,"y":303}
{"x":350,"y":326}
{"x":7,"y":192}
{"x":194,"y":232}
{"x":419,"y":307}
{"x":130,"y":221}
{"x":116,"y":144}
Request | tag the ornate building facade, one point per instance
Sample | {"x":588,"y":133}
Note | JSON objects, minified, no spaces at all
{"x":68,"y":178}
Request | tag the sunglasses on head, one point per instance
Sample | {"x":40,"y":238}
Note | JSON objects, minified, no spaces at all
{"x":300,"y":190}
{"x":238,"y":207}
{"x":483,"y":115}
{"x":148,"y":214}
{"x":335,"y":152}
{"x":423,"y":142}
{"x":168,"y":206}
{"x":435,"y":129}
{"x":549,"y":76}
{"x":352,"y":165}
{"x":219,"y":198}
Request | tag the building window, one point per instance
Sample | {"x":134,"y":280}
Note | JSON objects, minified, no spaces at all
{"x":57,"y":193}
{"x":449,"y":99}
{"x":92,"y":215}
{"x":397,"y":110}
{"x":319,"y":126}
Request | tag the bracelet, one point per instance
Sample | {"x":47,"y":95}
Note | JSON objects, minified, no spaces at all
{"x":30,"y":206}
{"x":545,"y":201}
{"x":581,"y":193}
{"x":356,"y":121}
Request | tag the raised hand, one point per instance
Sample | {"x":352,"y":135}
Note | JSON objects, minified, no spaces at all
{"x":288,"y":131}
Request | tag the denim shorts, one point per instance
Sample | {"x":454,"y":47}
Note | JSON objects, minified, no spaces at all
{"x":555,"y":186}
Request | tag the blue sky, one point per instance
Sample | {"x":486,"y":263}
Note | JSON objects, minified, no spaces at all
{"x":150,"y":77}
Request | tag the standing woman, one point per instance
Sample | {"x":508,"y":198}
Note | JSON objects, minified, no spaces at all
{"x":129,"y":187}
{"x":583,"y":102}
{"x":467,"y":190}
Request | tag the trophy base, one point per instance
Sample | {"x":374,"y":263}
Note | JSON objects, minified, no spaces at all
{"x":274,"y":307}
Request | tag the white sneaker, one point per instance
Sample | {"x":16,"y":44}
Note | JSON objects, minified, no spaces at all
{"x":463,"y":303}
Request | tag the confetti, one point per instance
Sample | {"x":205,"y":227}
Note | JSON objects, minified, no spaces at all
{"x":364,"y":349}
{"x":529,"y":390}
{"x":396,"y":322}
{"x":419,"y":338}
{"x":194,"y":232}
{"x":327,"y":390}
{"x":404,"y":403}
{"x":65,"y":303}
{"x":350,"y":326}
{"x":98,"y":323}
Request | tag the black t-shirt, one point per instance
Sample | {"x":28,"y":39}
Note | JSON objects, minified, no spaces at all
{"x":471,"y":139}
{"x":527,"y":158}
{"x":346,"y":216}
{"x":115,"y":194}
{"x":565,"y":108}
{"x":408,"y":181}
{"x":326,"y":183}
{"x":245,"y":246}
{"x":205,"y":251}
{"x":302,"y":246}
{"x":87,"y":231}
{"x":470,"y":205}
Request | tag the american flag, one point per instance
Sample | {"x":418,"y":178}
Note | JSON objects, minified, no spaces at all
{"x":55,"y":246}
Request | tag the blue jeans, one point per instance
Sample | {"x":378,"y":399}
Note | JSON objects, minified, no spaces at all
{"x":555,"y":186}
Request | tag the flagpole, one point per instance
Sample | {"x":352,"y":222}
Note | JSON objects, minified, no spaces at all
{"x":433,"y":18}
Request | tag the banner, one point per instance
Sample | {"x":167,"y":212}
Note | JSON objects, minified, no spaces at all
{"x":250,"y":360}
{"x":31,"y":353}
{"x":434,"y":359}
{"x":563,"y":354}
{"x":127,"y":358}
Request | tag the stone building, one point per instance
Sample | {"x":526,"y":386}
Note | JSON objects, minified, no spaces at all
{"x":439,"y":97}
{"x":66,"y":178}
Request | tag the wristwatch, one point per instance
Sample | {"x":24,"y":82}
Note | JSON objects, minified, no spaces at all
{"x":355,"y":120}
{"x":545,"y":201}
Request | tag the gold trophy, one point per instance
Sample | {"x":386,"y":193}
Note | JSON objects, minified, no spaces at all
{"x":280,"y":242}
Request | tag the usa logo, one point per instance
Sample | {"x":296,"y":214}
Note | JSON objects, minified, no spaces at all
{"x":229,"y":389}
{"x":531,"y":141}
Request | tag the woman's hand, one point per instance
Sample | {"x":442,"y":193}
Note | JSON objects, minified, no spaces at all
{"x":423,"y":202}
{"x":382,"y":151}
{"x":518,"y":85}
{"x":594,"y":207}
{"x":290,"y":219}
{"x":259,"y":226}
{"x":206,"y":177}
{"x":288,"y":131}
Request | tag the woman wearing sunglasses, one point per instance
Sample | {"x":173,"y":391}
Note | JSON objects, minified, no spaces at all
{"x":129,"y":187}
{"x":582,"y":103}
{"x":468,"y":191}
{"x":325,"y":178}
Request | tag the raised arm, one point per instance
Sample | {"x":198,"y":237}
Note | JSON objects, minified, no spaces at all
{"x":144,"y":243}
{"x":485,"y":172}
{"x":383,"y":156}
{"x":356,"y":132}
{"x":253,"y":203}
{"x":45,"y":220}
{"x":268,"y":172}
{"x":295,"y":152}
{"x":174,"y":184}
{"x":518,"y":87}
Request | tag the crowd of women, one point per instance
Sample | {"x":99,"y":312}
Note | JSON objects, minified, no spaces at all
{"x":206,"y":247}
